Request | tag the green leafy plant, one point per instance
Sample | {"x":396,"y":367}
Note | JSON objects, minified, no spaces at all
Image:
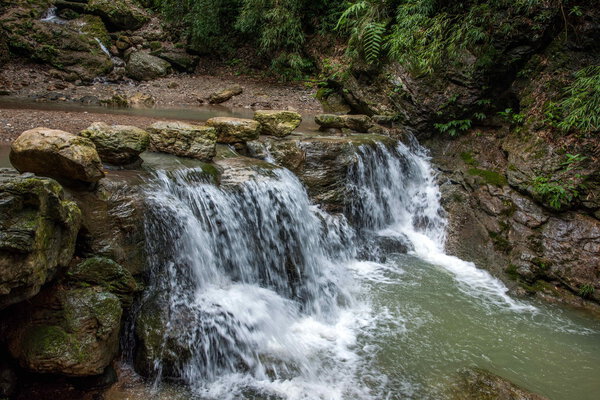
{"x":557,"y":194}
{"x":586,"y":290}
{"x":455,"y":127}
{"x":512,"y":117}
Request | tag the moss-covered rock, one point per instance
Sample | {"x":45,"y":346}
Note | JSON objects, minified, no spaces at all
{"x":277,"y":123}
{"x":58,"y":154}
{"x":234,"y":130}
{"x":38,"y":229}
{"x":71,"y":332}
{"x":182,"y":139}
{"x":118,"y":14}
{"x":104,"y":272}
{"x":117,"y":144}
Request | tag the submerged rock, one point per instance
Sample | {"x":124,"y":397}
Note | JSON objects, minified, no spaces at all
{"x":357,"y":123}
{"x":57,"y":154}
{"x":479,"y":384}
{"x":143,"y":66}
{"x":277,"y":123}
{"x":38,"y":229}
{"x":225,"y":94}
{"x":117,"y":144}
{"x":182,"y":139}
{"x":73,"y":332}
{"x":234,"y":130}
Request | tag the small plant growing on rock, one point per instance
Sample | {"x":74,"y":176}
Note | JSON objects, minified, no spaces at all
{"x":455,"y":127}
{"x":586,"y":290}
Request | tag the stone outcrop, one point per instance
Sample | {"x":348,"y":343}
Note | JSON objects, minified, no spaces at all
{"x":57,"y":154}
{"x":234,"y":130}
{"x":143,"y":66}
{"x":67,"y":331}
{"x":38,"y":229}
{"x":117,"y":144}
{"x":183,"y":139}
{"x":277,"y":123}
{"x":223,"y":95}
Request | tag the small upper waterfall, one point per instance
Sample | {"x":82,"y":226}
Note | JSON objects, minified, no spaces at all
{"x":395,"y":195}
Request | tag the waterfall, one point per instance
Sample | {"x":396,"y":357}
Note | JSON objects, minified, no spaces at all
{"x":51,"y":16}
{"x":254,"y":290}
{"x":252,"y":279}
{"x":394,"y":196}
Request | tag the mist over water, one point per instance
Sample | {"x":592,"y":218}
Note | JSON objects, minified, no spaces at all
{"x":275,"y":299}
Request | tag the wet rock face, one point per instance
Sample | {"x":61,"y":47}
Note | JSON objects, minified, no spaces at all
{"x":38,"y":229}
{"x":58,"y":154}
{"x":321,"y":162}
{"x":117,"y":144}
{"x":113,"y":223}
{"x":67,"y":331}
{"x":181,"y":139}
{"x":478,"y":384}
{"x":234,"y":130}
{"x":550,"y":253}
{"x":143,"y":66}
{"x":277,"y":123}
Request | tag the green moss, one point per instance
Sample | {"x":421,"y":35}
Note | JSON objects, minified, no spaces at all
{"x":468,"y":158}
{"x":500,"y":242}
{"x":489,"y":177}
{"x":45,"y":341}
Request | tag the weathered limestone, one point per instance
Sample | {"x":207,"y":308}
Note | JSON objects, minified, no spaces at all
{"x":356,"y":123}
{"x":57,"y":154}
{"x":143,"y":66}
{"x":234,"y":130}
{"x":117,"y":144}
{"x":183,"y":139}
{"x":224,"y":95}
{"x":277,"y":123}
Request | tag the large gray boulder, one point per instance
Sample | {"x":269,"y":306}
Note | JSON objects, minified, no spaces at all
{"x":38,"y":228}
{"x":66,"y":331}
{"x":357,"y":123}
{"x":117,"y":144}
{"x":143,"y":66}
{"x":57,"y":154}
{"x":118,"y":14}
{"x":183,"y":139}
{"x":276,"y":122}
{"x":234,"y":130}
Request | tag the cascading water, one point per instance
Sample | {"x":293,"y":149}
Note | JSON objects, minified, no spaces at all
{"x":255,"y":293}
{"x":394,"y":195}
{"x":252,"y":276}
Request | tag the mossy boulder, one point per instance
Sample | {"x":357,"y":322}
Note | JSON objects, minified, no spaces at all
{"x":234,"y":130}
{"x":183,"y":139}
{"x":117,"y":144}
{"x":143,"y":66}
{"x":106,"y":273}
{"x":356,"y":123}
{"x":57,"y":154}
{"x":38,"y":228}
{"x":118,"y":14}
{"x":277,"y":123}
{"x":67,"y":331}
